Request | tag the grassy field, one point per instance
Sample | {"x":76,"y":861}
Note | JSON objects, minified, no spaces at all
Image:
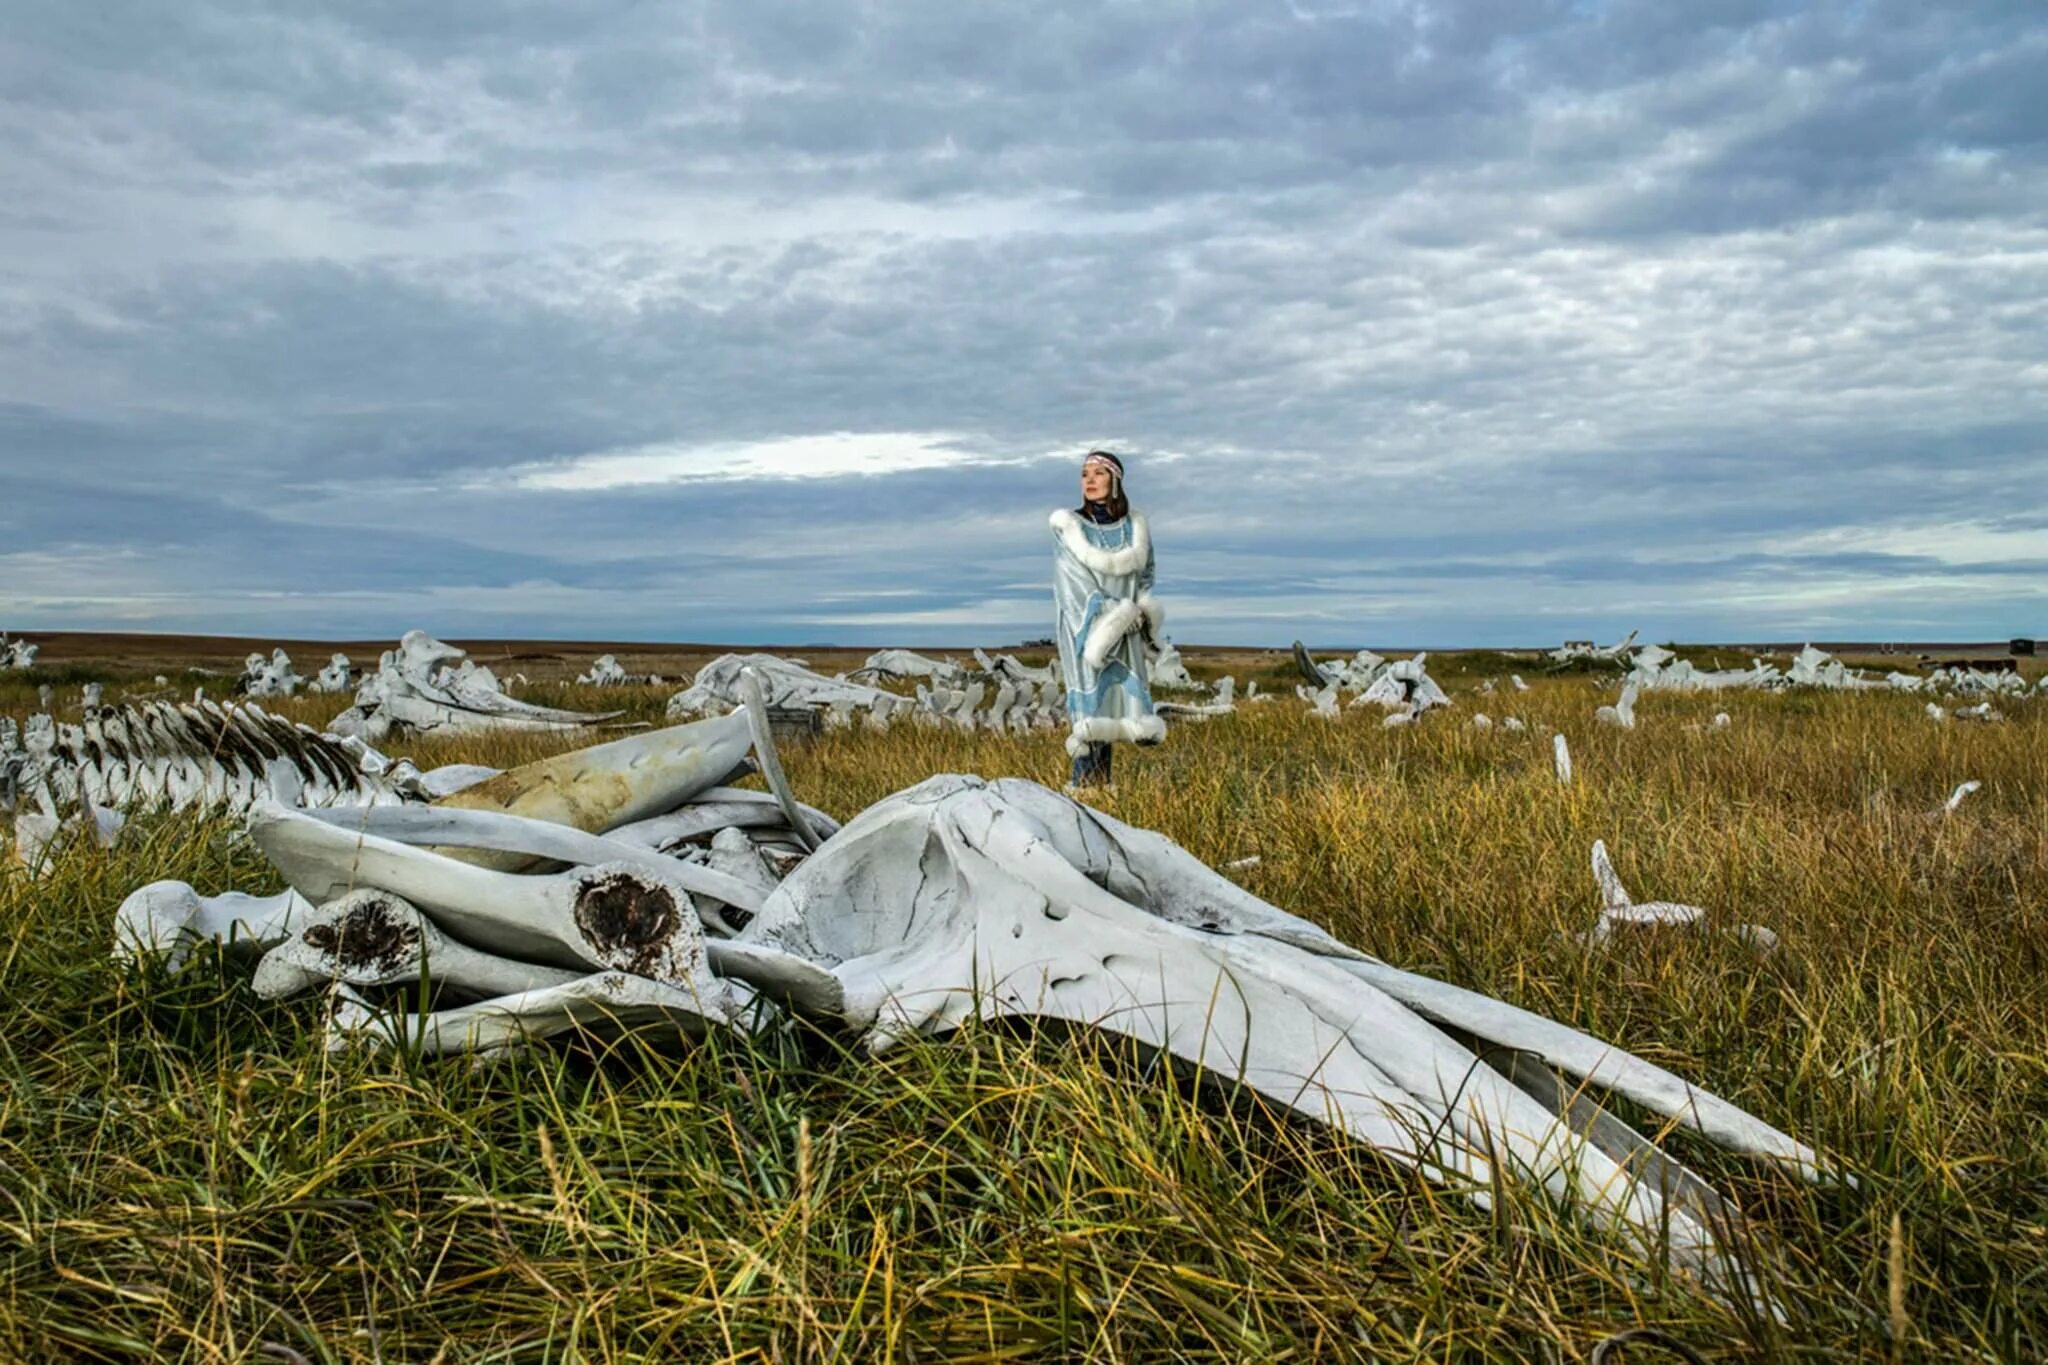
{"x":185,"y":1176}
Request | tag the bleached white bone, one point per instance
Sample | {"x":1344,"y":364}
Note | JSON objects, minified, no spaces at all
{"x":606,"y":1001}
{"x":621,"y":914}
{"x":1959,"y":795}
{"x":340,"y":853}
{"x":1617,"y":909}
{"x":374,"y":938}
{"x":1561,"y":757}
{"x":756,"y":716}
{"x":720,"y":808}
{"x":443,"y":828}
{"x":1482,"y":721}
{"x":1513,"y":724}
{"x":958,"y":898}
{"x":169,"y":919}
{"x":1516,"y":679}
{"x":1623,"y":713}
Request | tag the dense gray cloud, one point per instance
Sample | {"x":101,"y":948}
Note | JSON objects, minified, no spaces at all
{"x":1422,"y":323}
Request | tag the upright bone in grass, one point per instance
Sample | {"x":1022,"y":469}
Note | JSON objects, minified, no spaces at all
{"x":756,"y":711}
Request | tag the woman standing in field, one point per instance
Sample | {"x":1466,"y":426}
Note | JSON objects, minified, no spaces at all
{"x":1102,"y":592}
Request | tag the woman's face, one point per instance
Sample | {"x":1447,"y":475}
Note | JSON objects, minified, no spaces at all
{"x":1095,"y":483}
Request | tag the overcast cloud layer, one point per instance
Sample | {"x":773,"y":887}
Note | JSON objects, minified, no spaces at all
{"x":1421,"y":323}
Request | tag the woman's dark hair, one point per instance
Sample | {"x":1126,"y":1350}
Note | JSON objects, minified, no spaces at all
{"x":1116,"y":506}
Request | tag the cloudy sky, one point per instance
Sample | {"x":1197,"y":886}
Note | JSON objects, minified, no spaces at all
{"x":785,"y":320}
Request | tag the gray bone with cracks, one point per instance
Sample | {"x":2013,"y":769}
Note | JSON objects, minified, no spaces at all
{"x":951,"y":900}
{"x":771,"y":764}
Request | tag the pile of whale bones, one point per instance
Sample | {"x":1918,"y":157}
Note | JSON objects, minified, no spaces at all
{"x":1654,"y":668}
{"x":15,"y":654}
{"x":629,"y":887}
{"x":999,"y":693}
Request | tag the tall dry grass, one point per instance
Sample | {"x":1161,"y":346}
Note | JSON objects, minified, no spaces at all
{"x":184,"y":1175}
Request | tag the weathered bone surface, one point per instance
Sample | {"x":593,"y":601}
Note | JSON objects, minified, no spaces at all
{"x":1561,"y":755}
{"x":597,"y":788}
{"x":904,"y":664}
{"x":1618,"y":910}
{"x":756,"y":714}
{"x":1165,"y":669}
{"x":167,"y":920}
{"x":1621,"y":715}
{"x":374,"y":938}
{"x":203,"y":756}
{"x":338,"y":676}
{"x":786,"y":684}
{"x":622,"y":915}
{"x":606,"y":1002}
{"x":1574,"y":650}
{"x":1405,"y":685}
{"x":272,"y":677}
{"x":17,"y":653}
{"x":605,"y":672}
{"x":428,"y":687}
{"x":960,"y":898}
{"x":1009,"y":668}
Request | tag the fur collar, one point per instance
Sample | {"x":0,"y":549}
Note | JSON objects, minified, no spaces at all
{"x":1128,"y":560}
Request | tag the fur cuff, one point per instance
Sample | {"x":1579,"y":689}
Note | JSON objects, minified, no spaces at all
{"x":1112,"y":730}
{"x":1155,"y":615}
{"x":1117,"y":620}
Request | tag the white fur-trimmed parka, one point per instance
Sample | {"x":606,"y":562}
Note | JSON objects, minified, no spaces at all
{"x":1102,"y":594}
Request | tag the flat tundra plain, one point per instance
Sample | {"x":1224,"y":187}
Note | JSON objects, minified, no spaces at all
{"x":186,"y":1175}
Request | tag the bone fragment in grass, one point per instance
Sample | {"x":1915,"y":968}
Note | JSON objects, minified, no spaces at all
{"x":168,"y":919}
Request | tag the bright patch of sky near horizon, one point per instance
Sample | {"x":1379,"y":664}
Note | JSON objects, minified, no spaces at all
{"x":1419,"y":323}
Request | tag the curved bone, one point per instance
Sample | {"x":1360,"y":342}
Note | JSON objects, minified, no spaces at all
{"x":607,"y":1001}
{"x":323,"y":854}
{"x":949,"y":902}
{"x":1623,"y":713}
{"x":374,"y":938}
{"x":595,"y":788}
{"x":1617,"y":908}
{"x":526,"y":842}
{"x":735,"y":808}
{"x":756,"y":719}
{"x":170,"y":919}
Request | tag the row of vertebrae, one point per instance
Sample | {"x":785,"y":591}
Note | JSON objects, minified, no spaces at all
{"x":183,"y":756}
